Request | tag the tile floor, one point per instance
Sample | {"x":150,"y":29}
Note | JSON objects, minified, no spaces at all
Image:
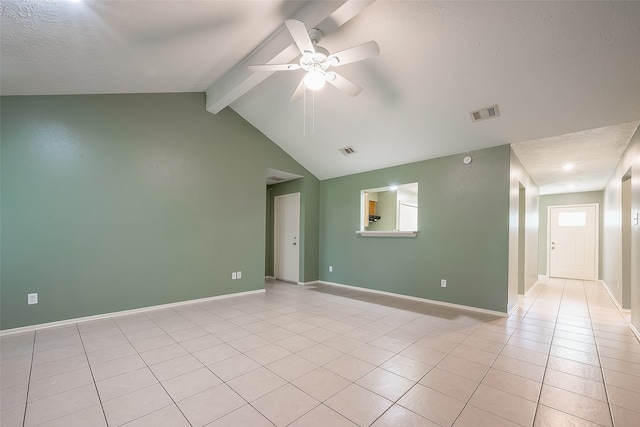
{"x":329,"y":356}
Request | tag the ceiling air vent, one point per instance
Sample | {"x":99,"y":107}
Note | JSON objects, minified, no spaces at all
{"x":485,"y":113}
{"x":347,"y":150}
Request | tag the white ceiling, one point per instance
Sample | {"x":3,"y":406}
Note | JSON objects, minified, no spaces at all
{"x":554,"y":68}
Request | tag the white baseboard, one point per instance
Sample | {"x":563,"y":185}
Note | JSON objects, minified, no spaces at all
{"x":615,"y":301}
{"x":120,"y":313}
{"x":622,"y":310}
{"x":313,"y":282}
{"x":270,"y":277}
{"x":409,"y":297}
{"x":514,"y":308}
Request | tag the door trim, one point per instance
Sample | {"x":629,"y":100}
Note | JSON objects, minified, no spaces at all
{"x":597,"y":227}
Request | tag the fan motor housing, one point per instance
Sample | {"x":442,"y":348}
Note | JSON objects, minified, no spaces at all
{"x":307,"y":61}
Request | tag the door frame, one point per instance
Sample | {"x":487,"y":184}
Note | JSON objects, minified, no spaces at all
{"x":276,"y":237}
{"x":597,"y":229}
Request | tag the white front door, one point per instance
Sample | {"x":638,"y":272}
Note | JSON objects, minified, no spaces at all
{"x":286,"y":226}
{"x":573,"y":242}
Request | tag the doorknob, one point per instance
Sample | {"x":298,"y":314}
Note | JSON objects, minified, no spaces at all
{"x":294,"y":243}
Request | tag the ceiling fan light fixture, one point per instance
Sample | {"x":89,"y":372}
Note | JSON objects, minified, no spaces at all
{"x":314,"y":80}
{"x":316,"y":60}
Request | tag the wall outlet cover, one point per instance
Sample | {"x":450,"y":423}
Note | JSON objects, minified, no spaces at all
{"x":443,"y":283}
{"x":331,"y":269}
{"x":32,"y":299}
{"x":239,"y":275}
{"x":233,"y":276}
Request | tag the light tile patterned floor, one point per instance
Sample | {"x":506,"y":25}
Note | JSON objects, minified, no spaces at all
{"x":328,"y":356}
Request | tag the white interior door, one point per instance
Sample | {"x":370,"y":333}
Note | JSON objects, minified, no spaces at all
{"x":573,"y":242}
{"x":286,"y":226}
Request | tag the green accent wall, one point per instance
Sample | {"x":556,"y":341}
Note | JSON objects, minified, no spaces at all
{"x":463,"y":222}
{"x":587,"y":197}
{"x":116,"y":202}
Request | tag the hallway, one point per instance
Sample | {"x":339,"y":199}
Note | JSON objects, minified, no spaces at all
{"x":322,"y":355}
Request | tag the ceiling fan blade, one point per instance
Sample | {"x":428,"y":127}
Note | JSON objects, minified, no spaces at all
{"x":343,"y":84}
{"x":356,"y":53}
{"x":274,"y":67}
{"x":300,"y":35}
{"x":299,"y":91}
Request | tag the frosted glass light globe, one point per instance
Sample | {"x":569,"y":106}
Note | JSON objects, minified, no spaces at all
{"x":314,"y":80}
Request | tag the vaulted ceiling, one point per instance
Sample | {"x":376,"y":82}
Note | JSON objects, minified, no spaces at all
{"x":554,"y":69}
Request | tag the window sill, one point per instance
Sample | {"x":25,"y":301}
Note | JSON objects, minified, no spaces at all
{"x":387,"y":233}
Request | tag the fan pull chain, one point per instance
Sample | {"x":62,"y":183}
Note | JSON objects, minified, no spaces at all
{"x":304,"y":112}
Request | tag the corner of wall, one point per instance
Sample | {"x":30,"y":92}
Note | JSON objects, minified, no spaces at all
{"x":523,"y":255}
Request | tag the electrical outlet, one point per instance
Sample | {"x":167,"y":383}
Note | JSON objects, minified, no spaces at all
{"x":239,"y":275}
{"x":443,"y":283}
{"x":32,"y":299}
{"x":234,"y":276}
{"x":331,"y":269}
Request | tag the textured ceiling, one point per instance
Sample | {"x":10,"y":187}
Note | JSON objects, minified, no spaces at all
{"x":592,"y":155}
{"x":97,"y":46}
{"x":554,"y":68}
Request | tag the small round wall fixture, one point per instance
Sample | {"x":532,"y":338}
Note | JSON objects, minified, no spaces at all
{"x":467,"y":160}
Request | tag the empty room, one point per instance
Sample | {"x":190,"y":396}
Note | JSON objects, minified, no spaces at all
{"x":319,"y":213}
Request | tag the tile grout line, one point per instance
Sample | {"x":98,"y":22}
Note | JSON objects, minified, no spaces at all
{"x":490,"y":367}
{"x":146,"y":365}
{"x":588,"y":310}
{"x":604,"y":383}
{"x":95,"y":385}
{"x":354,"y":382}
{"x":73,"y":370}
{"x":153,"y":373}
{"x":546,"y":365}
{"x":458,"y":344}
{"x":26,"y":398}
{"x":568,"y":312}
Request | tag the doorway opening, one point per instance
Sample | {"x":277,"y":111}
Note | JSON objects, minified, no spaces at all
{"x":626,"y":241}
{"x":522,"y":210}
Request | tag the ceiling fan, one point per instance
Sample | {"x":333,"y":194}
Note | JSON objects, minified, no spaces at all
{"x":316,"y":60}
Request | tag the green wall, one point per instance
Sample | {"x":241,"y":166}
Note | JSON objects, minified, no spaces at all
{"x":463,"y":231}
{"x":587,"y":197}
{"x":115,"y":202}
